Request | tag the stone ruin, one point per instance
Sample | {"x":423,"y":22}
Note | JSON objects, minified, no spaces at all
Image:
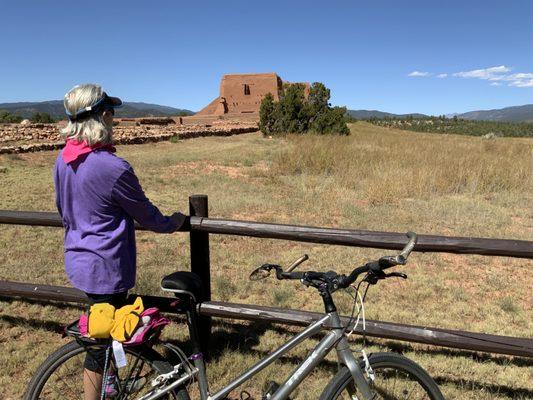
{"x":234,"y":111}
{"x":241,"y":94}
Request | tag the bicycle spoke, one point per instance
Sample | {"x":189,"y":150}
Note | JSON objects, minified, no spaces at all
{"x":400,"y":388}
{"x":62,"y":382}
{"x":390,"y":384}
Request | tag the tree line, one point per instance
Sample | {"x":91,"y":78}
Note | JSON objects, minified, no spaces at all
{"x":457,"y":126}
{"x":40,"y":117}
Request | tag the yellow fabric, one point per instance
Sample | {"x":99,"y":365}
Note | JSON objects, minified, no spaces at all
{"x":101,"y":320}
{"x":126,"y":320}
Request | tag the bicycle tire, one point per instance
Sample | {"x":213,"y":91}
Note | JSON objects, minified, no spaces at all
{"x":41,"y":385}
{"x":390,"y":370}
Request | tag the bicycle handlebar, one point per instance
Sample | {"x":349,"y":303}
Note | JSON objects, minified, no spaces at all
{"x":303,"y":258}
{"x":383,"y":263}
{"x":400,"y":259}
{"x":335,"y":280}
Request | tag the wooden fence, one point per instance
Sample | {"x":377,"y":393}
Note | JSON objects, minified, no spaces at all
{"x":202,"y":226}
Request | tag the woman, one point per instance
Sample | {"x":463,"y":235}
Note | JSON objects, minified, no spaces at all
{"x":99,"y":197}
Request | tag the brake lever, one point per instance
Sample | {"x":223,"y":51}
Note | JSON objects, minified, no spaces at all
{"x":396,"y":275}
{"x":264,"y":271}
{"x":374,"y":276}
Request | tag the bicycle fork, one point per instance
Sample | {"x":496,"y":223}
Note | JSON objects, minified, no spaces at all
{"x":347,"y":358}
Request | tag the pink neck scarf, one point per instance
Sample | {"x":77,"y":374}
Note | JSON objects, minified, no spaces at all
{"x":74,"y":149}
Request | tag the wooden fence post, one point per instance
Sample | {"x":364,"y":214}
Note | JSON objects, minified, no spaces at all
{"x":200,"y":265}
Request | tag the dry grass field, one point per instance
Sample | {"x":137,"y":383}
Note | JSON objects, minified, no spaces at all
{"x":376,"y":179}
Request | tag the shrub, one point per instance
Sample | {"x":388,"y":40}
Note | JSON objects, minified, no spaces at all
{"x":7,"y":118}
{"x":184,"y":113}
{"x":267,"y":117}
{"x":296,"y":114}
{"x":43,"y":118}
{"x":333,"y":121}
{"x":292,"y":113}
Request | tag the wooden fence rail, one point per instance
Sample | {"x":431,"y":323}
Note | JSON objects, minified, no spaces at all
{"x":360,"y":238}
{"x":432,"y":336}
{"x":202,"y":226}
{"x":345,"y":237}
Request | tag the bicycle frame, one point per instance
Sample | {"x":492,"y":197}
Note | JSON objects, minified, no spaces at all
{"x":335,"y":338}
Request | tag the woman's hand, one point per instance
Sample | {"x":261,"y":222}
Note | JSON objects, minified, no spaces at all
{"x":182,"y":221}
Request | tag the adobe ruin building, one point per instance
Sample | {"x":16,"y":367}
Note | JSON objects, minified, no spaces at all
{"x":241,"y":94}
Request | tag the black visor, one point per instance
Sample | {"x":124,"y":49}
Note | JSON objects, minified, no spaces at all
{"x":105,"y":102}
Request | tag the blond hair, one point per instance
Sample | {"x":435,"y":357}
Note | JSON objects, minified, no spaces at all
{"x":91,"y":129}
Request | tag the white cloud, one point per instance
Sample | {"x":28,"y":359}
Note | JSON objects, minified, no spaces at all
{"x":520,"y":79}
{"x":491,"y":74}
{"x":520,"y":76}
{"x":522,"y":83}
{"x":419,"y":73}
{"x":497,"y":76}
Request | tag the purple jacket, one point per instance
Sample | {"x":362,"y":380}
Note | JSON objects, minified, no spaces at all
{"x":98,"y":197}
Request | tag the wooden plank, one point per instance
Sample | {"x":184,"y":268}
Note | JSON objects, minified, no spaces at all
{"x":387,"y":330}
{"x":62,"y":294}
{"x":344,"y":237}
{"x":522,"y":347}
{"x":35,"y":291}
{"x":36,"y":218}
{"x":363,"y":238}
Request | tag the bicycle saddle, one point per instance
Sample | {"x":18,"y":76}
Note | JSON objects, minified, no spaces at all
{"x":184,"y":282}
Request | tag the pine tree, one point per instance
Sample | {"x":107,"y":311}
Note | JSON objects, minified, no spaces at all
{"x":267,"y":115}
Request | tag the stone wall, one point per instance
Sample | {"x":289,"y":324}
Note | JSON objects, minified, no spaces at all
{"x":16,"y":138}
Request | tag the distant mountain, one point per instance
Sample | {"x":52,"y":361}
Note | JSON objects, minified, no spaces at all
{"x":509,"y":114}
{"x":513,"y":114}
{"x":128,"y":110}
{"x":137,"y":109}
{"x":366,"y":114}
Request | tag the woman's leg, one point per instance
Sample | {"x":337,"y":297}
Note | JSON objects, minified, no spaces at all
{"x":92,"y":385}
{"x":94,"y":363}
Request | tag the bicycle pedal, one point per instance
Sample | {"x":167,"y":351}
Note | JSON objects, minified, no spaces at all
{"x":269,"y":389}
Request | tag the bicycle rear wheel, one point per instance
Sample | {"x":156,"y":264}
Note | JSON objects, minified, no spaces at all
{"x":396,"y":377}
{"x":61,"y":374}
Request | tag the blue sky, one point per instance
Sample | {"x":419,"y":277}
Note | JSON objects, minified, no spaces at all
{"x":174,"y":53}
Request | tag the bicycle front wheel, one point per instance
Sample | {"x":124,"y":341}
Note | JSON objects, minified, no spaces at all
{"x":396,"y":377}
{"x":61,"y":374}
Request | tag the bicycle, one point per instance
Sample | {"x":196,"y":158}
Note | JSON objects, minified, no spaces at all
{"x":377,"y":376}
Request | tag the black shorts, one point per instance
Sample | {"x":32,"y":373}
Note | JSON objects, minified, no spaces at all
{"x":95,"y":360}
{"x":115,"y":299}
